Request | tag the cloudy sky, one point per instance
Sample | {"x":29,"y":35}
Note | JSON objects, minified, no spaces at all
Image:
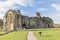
{"x":48,"y":8}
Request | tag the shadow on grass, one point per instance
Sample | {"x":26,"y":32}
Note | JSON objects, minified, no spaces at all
{"x":46,"y":36}
{"x":40,"y":34}
{"x":5,"y":33}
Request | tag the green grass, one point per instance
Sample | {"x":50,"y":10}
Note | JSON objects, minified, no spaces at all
{"x":16,"y":35}
{"x":48,"y":34}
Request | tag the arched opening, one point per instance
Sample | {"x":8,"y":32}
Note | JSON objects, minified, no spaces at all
{"x":23,"y":25}
{"x":48,"y":26}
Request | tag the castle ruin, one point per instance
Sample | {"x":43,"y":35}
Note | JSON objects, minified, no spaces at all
{"x":13,"y":20}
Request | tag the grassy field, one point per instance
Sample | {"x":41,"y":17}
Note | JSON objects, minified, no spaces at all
{"x":16,"y":35}
{"x":48,"y":34}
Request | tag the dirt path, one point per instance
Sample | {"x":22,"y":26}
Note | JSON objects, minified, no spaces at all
{"x":31,"y":36}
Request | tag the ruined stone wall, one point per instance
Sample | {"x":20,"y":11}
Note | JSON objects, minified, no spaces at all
{"x":32,"y":22}
{"x":25,"y":20}
{"x":48,"y":22}
{"x":36,"y":22}
{"x":13,"y":20}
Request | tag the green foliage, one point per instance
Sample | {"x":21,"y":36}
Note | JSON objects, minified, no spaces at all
{"x":1,"y":22}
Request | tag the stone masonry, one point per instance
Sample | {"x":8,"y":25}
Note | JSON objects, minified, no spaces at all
{"x":13,"y":20}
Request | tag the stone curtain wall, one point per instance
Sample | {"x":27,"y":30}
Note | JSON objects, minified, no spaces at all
{"x":13,"y":20}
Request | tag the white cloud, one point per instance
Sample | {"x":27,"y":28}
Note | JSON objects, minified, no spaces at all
{"x":9,"y":4}
{"x":23,"y":12}
{"x":56,"y":16}
{"x":24,"y":2}
{"x":42,"y":9}
{"x":56,"y":6}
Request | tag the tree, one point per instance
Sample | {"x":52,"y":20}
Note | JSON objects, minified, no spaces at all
{"x":1,"y":22}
